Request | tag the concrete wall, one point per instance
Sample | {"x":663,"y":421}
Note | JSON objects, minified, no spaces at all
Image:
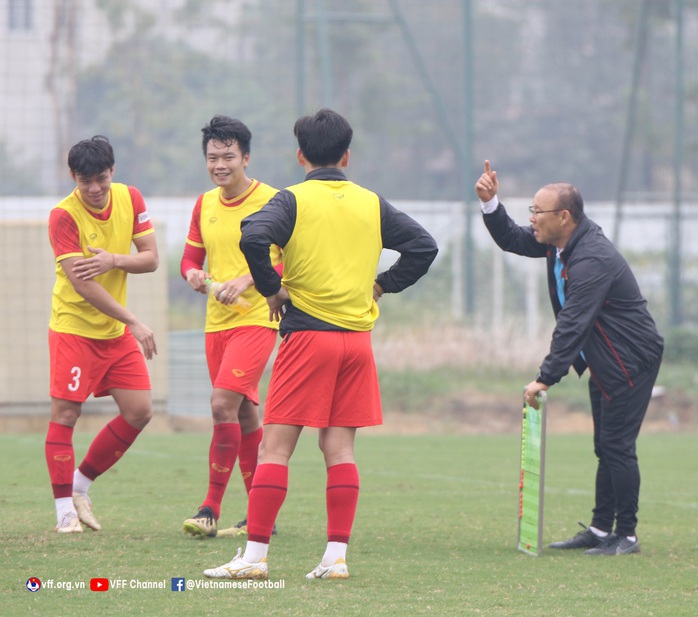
{"x":26,"y":283}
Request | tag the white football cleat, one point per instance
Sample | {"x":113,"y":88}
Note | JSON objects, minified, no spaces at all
{"x":70,"y":523}
{"x":239,"y":568}
{"x":337,"y":570}
{"x":83,"y":505}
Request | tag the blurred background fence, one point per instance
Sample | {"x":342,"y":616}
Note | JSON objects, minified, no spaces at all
{"x":600,"y":93}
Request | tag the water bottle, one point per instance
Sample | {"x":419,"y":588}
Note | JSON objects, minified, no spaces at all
{"x":240,"y":305}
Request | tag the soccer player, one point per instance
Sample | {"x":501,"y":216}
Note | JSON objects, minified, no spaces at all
{"x":93,"y":337}
{"x":603,"y":324}
{"x":332,"y":232}
{"x":238,"y":343}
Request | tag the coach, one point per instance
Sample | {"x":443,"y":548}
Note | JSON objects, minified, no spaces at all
{"x":602,"y":324}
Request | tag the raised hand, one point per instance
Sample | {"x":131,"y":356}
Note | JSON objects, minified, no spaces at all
{"x":487,"y":185}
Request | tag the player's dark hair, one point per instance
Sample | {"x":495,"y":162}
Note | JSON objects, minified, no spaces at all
{"x":228,"y":131}
{"x":90,"y":157}
{"x":568,"y":198}
{"x":323,"y":138}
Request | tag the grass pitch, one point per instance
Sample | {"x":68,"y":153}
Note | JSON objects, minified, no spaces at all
{"x":435,"y":533}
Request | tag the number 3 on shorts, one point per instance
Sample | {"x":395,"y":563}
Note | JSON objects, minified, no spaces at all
{"x":76,"y":372}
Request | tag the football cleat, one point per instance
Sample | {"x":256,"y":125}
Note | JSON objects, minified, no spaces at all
{"x":239,"y":529}
{"x":236,"y":530}
{"x":202,"y":525}
{"x":337,"y":570}
{"x":240,"y":569}
{"x":83,"y":505}
{"x":69,"y":523}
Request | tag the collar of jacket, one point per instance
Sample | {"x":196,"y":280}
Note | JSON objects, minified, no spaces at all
{"x":582,"y":228}
{"x":326,"y":173}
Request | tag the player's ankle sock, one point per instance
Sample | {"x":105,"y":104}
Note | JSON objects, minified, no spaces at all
{"x":64,"y":505}
{"x":60,"y":458}
{"x":632,"y":538}
{"x":81,"y":483}
{"x":222,"y":454}
{"x":249,"y":449}
{"x":598,"y":532}
{"x":266,"y":498}
{"x":342,"y":495}
{"x":255,"y":552}
{"x":107,"y":447}
{"x":333,"y":552}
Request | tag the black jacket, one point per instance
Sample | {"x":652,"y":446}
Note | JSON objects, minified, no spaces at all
{"x":605,"y":316}
{"x":275,"y":222}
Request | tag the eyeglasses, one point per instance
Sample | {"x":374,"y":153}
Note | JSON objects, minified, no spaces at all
{"x":535,"y":212}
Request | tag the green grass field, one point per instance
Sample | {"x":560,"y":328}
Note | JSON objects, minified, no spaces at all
{"x":435,"y":533}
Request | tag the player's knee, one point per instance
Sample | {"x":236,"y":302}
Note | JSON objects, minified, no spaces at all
{"x":139,"y":417}
{"x":65,"y":412}
{"x":223,"y":411}
{"x":335,"y":454}
{"x":249,"y":421}
{"x":147,"y":415}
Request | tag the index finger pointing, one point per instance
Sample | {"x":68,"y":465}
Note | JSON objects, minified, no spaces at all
{"x":487,"y":167}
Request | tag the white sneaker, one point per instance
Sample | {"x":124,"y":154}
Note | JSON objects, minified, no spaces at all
{"x":70,"y":523}
{"x":83,"y":505}
{"x":239,"y":568}
{"x":337,"y":570}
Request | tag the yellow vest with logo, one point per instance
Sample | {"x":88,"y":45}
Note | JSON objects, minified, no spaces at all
{"x":220,"y":231}
{"x":331,"y":259}
{"x":70,"y":312}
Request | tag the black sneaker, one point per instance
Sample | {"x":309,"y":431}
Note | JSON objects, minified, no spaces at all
{"x":203,"y":524}
{"x":584,"y":539}
{"x":615,"y":545}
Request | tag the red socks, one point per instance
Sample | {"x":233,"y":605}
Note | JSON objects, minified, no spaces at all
{"x":60,"y":458}
{"x":249,"y":447}
{"x":269,"y":492}
{"x":222,"y":455}
{"x":107,"y":447}
{"x":266,"y":498}
{"x":342,"y":495}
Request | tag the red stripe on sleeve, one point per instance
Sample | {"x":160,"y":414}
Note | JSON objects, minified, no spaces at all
{"x":193,"y":257}
{"x":63,"y":233}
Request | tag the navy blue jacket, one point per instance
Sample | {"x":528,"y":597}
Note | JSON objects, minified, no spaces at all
{"x":605,"y":316}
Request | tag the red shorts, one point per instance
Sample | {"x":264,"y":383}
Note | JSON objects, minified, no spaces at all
{"x":237,"y":358}
{"x":81,"y":366}
{"x":323,"y":379}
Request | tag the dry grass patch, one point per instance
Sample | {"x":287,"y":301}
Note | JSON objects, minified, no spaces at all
{"x":433,"y":346}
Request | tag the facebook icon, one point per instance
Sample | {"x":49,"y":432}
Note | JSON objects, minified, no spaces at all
{"x":178,"y":584}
